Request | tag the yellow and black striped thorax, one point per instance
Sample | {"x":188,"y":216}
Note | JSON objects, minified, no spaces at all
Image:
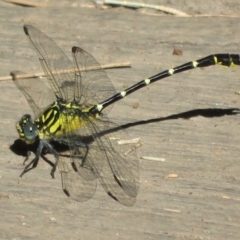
{"x":59,"y":119}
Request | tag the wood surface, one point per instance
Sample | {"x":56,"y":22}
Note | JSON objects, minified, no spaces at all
{"x":190,"y":119}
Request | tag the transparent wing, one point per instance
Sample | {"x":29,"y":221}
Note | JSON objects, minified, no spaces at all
{"x":116,"y":166}
{"x":84,"y":81}
{"x":73,"y":184}
{"x":92,"y":83}
{"x":56,"y":65}
{"x":37,"y":93}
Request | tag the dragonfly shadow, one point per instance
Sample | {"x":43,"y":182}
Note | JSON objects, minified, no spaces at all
{"x":208,"y":113}
{"x":21,"y":148}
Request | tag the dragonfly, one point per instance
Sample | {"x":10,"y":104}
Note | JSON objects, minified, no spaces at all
{"x":67,"y":111}
{"x":71,"y":108}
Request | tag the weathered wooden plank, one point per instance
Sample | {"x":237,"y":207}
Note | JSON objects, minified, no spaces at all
{"x":202,"y":202}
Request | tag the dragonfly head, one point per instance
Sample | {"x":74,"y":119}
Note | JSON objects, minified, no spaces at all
{"x":27,"y":129}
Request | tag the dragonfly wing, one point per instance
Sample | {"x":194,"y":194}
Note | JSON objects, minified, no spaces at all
{"x":73,"y":184}
{"x":55,"y":63}
{"x":37,"y":93}
{"x":92,"y":83}
{"x":120,"y":175}
{"x":116,"y":166}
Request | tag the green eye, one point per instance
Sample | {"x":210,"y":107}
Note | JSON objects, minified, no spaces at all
{"x":30,"y":131}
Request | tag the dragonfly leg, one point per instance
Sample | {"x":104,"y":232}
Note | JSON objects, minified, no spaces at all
{"x":33,"y":164}
{"x":27,"y":157}
{"x":51,"y":150}
{"x":82,"y":155}
{"x":85,"y":155}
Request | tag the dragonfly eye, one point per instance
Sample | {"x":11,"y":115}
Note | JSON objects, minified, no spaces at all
{"x":30,"y":131}
{"x":27,"y":129}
